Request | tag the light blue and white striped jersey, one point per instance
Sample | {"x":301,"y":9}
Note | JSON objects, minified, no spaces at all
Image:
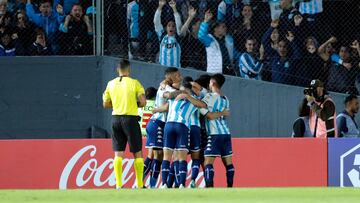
{"x":249,"y":66}
{"x":216,"y":103}
{"x":195,"y":117}
{"x":170,"y":52}
{"x":133,"y":19}
{"x":180,"y":111}
{"x":311,"y":7}
{"x":160,"y":101}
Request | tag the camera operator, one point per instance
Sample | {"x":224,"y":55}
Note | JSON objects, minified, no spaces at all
{"x":322,"y":110}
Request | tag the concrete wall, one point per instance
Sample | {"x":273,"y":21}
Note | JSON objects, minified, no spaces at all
{"x":60,"y":97}
{"x":48,"y":97}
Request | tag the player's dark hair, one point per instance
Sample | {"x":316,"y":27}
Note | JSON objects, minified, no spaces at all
{"x":187,"y":82}
{"x":124,"y":64}
{"x":349,"y":98}
{"x":150,"y":92}
{"x":203,"y":80}
{"x":219,"y":78}
{"x":171,"y":70}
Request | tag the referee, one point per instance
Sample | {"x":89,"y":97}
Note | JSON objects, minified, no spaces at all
{"x":124,"y":95}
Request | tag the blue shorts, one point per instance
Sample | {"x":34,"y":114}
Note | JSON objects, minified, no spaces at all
{"x":195,"y":138}
{"x":154,"y":134}
{"x":218,"y":145}
{"x":176,"y":136}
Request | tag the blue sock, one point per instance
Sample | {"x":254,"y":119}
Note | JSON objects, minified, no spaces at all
{"x":230,"y":171}
{"x":147,"y":166}
{"x":195,"y":167}
{"x":171,"y":178}
{"x":209,"y":175}
{"x":182,"y":172}
{"x":155,"y":167}
{"x":165,"y":169}
{"x":177,"y":175}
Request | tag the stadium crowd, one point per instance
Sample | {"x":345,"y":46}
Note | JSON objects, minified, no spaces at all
{"x":283,"y":41}
{"x":43,"y":27}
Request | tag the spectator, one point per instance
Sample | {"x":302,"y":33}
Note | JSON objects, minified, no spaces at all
{"x":116,"y":31}
{"x":194,"y":53}
{"x":229,"y":12}
{"x":133,"y":14}
{"x":66,"y":5}
{"x":345,"y":121}
{"x":311,"y":10}
{"x":312,"y":62}
{"x":23,"y":31}
{"x":5,"y":17}
{"x":285,"y":61}
{"x":40,"y":47}
{"x":301,"y":126}
{"x":170,"y":50}
{"x":286,"y":19}
{"x":219,"y":45}
{"x":245,"y":28}
{"x":7,"y":44}
{"x":249,"y":65}
{"x":77,"y":32}
{"x":343,"y":74}
{"x":48,"y":19}
{"x":325,"y":51}
{"x":270,"y":42}
{"x":271,"y":38}
{"x":147,"y":31}
{"x":15,"y":5}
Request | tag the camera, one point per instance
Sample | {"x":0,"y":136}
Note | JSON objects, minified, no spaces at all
{"x":309,"y":91}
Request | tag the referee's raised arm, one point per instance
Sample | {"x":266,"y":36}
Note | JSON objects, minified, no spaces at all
{"x":124,"y":95}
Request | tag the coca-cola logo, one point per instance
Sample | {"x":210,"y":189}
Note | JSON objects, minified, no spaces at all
{"x":92,"y":171}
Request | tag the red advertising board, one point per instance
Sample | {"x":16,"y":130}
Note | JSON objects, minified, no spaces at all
{"x":87,"y":163}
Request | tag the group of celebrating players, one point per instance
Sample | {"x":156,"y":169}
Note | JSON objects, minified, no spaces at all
{"x":189,"y":117}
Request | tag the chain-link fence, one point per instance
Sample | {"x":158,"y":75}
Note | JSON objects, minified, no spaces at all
{"x":282,"y":41}
{"x":46,"y":27}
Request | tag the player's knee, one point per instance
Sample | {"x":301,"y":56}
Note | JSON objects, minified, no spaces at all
{"x":119,"y":154}
{"x":227,"y":160}
{"x":195,"y":155}
{"x":138,"y":154}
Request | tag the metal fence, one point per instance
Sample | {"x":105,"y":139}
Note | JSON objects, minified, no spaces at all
{"x":46,"y":27}
{"x":282,"y":41}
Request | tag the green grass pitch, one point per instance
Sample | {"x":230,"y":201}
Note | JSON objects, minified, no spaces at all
{"x":221,"y":195}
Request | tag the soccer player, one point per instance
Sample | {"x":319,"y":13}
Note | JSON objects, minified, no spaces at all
{"x":170,"y":50}
{"x":176,"y":132}
{"x":155,"y":127}
{"x":121,"y":94}
{"x":195,"y":128}
{"x":146,"y":113}
{"x":219,"y":138}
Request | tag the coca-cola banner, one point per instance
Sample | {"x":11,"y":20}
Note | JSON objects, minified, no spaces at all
{"x":88,"y":163}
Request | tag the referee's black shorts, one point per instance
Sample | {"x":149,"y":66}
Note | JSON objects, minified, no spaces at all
{"x":126,"y":129}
